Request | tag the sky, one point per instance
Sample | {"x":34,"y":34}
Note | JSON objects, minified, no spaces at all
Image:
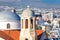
{"x":31,"y":3}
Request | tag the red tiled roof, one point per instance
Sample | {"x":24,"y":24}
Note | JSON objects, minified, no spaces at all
{"x":15,"y":34}
{"x":39,"y":32}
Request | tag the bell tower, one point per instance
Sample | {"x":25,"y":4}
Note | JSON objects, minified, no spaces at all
{"x":27,"y":25}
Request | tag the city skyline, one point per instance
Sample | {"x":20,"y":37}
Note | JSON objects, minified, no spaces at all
{"x":31,"y":3}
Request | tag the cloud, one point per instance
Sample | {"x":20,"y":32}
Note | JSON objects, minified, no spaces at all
{"x":9,"y":0}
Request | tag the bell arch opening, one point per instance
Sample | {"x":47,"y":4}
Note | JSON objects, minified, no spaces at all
{"x":26,"y":38}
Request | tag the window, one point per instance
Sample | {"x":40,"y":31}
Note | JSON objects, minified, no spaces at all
{"x":59,"y":23}
{"x":26,"y":39}
{"x":8,"y":26}
{"x":57,"y":27}
{"x":26,"y":23}
{"x":22,"y":23}
{"x":31,"y":25}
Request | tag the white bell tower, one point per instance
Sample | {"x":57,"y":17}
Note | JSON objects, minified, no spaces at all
{"x":27,"y":25}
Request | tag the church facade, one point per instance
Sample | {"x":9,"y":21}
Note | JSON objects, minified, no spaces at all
{"x":10,"y":28}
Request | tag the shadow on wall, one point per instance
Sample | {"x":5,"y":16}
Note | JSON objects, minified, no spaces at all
{"x":39,"y":36}
{"x":5,"y":36}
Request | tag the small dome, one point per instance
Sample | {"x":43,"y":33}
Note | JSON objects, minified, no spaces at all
{"x":27,"y":12}
{"x":7,"y":15}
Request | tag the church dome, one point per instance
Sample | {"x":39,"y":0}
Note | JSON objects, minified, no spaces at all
{"x":9,"y":20}
{"x":7,"y":15}
{"x":27,"y":12}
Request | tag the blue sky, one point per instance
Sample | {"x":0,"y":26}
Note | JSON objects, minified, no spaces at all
{"x":52,"y":1}
{"x":32,"y":3}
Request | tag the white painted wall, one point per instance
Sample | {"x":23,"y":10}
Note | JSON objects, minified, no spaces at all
{"x":13,"y":25}
{"x":1,"y":38}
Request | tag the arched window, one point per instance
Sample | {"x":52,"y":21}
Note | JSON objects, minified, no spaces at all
{"x":26,"y":23}
{"x":8,"y":26}
{"x":31,"y":23}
